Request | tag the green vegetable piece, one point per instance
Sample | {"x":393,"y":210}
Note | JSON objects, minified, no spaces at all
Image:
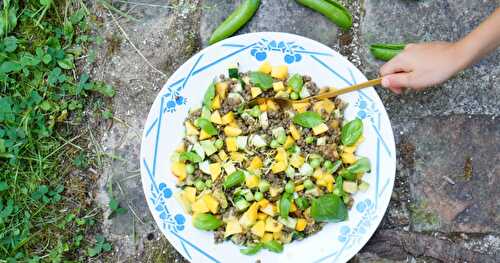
{"x":333,"y":10}
{"x":290,"y":187}
{"x":347,"y":175}
{"x":328,"y":164}
{"x":206,"y":125}
{"x":233,"y":73}
{"x":241,"y":204}
{"x":339,"y":186}
{"x":264,"y":186}
{"x":362,"y":165}
{"x":234,"y":179}
{"x":351,"y":132}
{"x":258,"y":196}
{"x":274,"y":144}
{"x":309,"y":139}
{"x":294,"y":96}
{"x":249,"y":196}
{"x":285,"y":204}
{"x":336,"y":165}
{"x":314,"y":163}
{"x":308,"y":184}
{"x":206,"y":222}
{"x":190,"y":156}
{"x":189,"y":168}
{"x":199,"y":184}
{"x":296,"y":82}
{"x":261,"y":80}
{"x":205,"y":113}
{"x":308,"y":119}
{"x":386,"y":52}
{"x":208,"y":183}
{"x":302,"y":203}
{"x":273,"y":246}
{"x":255,"y":111}
{"x":328,"y":208}
{"x":209,"y":96}
{"x":219,"y":143}
{"x":235,"y":21}
{"x":251,"y":249}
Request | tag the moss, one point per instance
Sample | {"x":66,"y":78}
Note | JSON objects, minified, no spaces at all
{"x":160,"y":251}
{"x":422,"y":218}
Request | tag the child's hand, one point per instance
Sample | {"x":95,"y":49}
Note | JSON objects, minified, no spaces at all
{"x":421,"y":65}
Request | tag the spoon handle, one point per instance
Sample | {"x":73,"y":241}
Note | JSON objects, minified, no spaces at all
{"x":335,"y":93}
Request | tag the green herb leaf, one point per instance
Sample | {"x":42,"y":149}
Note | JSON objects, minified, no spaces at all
{"x":351,"y":132}
{"x":273,"y":246}
{"x":301,"y":203}
{"x":362,"y":165}
{"x":209,"y":95}
{"x":296,"y":82}
{"x":329,"y":208}
{"x":10,"y":44}
{"x":67,"y":62}
{"x":346,"y":174}
{"x":233,"y":73}
{"x":206,"y":222}
{"x":251,"y":249}
{"x":206,"y":125}
{"x":9,"y":66}
{"x":308,"y":119}
{"x":261,"y":80}
{"x":190,"y":156}
{"x":234,"y":179}
{"x":285,"y":204}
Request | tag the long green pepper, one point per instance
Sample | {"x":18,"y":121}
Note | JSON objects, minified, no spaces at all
{"x":235,"y":21}
{"x":386,"y":52}
{"x":332,"y":9}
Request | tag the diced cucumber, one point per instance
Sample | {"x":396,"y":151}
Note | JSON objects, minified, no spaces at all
{"x":205,"y":112}
{"x":257,"y":141}
{"x":306,"y":170}
{"x":229,"y":167}
{"x":290,"y":172}
{"x":263,"y":120}
{"x":198,"y":149}
{"x":350,"y":187}
{"x":304,"y":93}
{"x":209,"y":147}
{"x":363,"y":186}
{"x":321,"y":141}
{"x":241,"y":141}
{"x":205,"y":167}
{"x":290,"y":222}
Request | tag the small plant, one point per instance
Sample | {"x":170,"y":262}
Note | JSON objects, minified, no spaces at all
{"x":114,"y":205}
{"x":101,"y":246}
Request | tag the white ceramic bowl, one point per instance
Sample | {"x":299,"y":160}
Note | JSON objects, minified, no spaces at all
{"x":163,"y":131}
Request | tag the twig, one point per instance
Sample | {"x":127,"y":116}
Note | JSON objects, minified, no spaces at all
{"x":132,"y":44}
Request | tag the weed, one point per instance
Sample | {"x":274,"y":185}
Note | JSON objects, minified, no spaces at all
{"x":100,"y":246}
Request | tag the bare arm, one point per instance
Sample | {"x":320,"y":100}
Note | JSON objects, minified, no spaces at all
{"x":428,"y":64}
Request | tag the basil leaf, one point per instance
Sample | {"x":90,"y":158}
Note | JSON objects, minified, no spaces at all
{"x":347,"y":175}
{"x":339,"y":186}
{"x":362,"y":165}
{"x":296,"y":82}
{"x":329,"y":208}
{"x":206,"y":222}
{"x":251,"y":249}
{"x":302,"y":203}
{"x":273,"y":246}
{"x":209,"y":95}
{"x":307,"y":119}
{"x":335,"y":167}
{"x":261,"y":80}
{"x":190,"y":156}
{"x":206,"y":125}
{"x":234,"y":179}
{"x":351,"y":132}
{"x":285,"y":204}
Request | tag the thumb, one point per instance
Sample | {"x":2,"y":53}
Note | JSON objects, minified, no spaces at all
{"x":396,"y":82}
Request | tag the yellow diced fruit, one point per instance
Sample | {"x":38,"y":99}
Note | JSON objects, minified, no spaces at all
{"x":294,"y":132}
{"x":318,"y":173}
{"x":299,"y":188}
{"x":349,"y":149}
{"x":281,"y":155}
{"x":263,"y":202}
{"x":273,"y":225}
{"x":250,"y":216}
{"x":267,"y":237}
{"x":233,"y":124}
{"x":215,"y":170}
{"x":252,"y":181}
{"x":233,"y":227}
{"x":255,"y":164}
{"x":229,"y":117}
{"x":237,"y":157}
{"x":348,"y":158}
{"x":231,"y":144}
{"x":190,"y":129}
{"x":301,"y":224}
{"x":263,"y":107}
{"x":279,"y":72}
{"x":278,"y":167}
{"x":278,"y":86}
{"x":189,"y":193}
{"x":319,"y":129}
{"x":261,"y":216}
{"x":232,"y":131}
{"x":301,"y":107}
{"x":325,"y":104}
{"x":293,"y":207}
{"x":272,"y":106}
{"x":329,"y":187}
{"x":269,"y":209}
{"x":204,"y":135}
{"x":297,"y":160}
{"x":277,"y":235}
{"x":255,"y":91}
{"x":212,"y":204}
{"x":223,"y":155}
{"x":179,"y":170}
{"x":215,"y":117}
{"x":275,"y":191}
{"x":259,"y":228}
{"x":199,"y":207}
{"x":186,"y":205}
{"x":221,"y":89}
{"x":216,"y":102}
{"x":181,"y":148}
{"x":289,"y":142}
{"x":265,"y":67}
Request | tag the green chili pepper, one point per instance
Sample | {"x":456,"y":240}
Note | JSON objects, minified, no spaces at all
{"x":386,"y":51}
{"x":234,"y":179}
{"x":206,"y":222}
{"x":235,"y":21}
{"x":333,"y":10}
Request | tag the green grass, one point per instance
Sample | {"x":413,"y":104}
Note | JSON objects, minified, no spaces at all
{"x":43,"y":93}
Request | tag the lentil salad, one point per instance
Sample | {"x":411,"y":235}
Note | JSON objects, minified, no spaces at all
{"x":266,"y":176}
